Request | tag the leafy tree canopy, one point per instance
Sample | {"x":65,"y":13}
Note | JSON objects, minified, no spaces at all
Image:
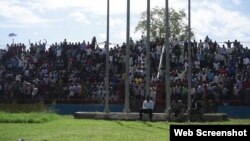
{"x":177,"y":23}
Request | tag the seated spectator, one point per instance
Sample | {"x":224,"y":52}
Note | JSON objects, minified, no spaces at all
{"x":197,"y":109}
{"x":147,"y":107}
{"x":178,"y":108}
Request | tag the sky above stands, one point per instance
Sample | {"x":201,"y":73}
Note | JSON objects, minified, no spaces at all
{"x":78,"y":20}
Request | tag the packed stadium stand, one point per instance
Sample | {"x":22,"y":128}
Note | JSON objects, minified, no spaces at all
{"x":69,"y":72}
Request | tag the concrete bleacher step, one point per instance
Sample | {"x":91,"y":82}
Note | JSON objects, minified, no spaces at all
{"x":135,"y":116}
{"x":119,"y":116}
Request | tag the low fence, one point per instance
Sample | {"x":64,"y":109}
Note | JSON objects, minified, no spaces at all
{"x":72,"y":108}
{"x":231,"y":111}
{"x":235,"y":111}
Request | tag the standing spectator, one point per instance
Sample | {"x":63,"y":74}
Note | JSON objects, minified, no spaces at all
{"x":93,"y":43}
{"x":147,"y":107}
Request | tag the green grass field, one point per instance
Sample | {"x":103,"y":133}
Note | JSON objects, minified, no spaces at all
{"x":66,"y":128}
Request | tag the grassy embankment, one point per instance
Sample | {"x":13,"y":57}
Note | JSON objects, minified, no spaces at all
{"x":47,"y":126}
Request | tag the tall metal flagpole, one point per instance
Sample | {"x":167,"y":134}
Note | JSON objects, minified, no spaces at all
{"x":189,"y":61}
{"x":148,"y":51}
{"x":106,"y":109}
{"x":167,"y":46}
{"x":127,"y":109}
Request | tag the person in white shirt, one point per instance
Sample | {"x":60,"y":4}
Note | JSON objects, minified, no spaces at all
{"x":34,"y":91}
{"x":246,"y":62}
{"x":147,"y":107}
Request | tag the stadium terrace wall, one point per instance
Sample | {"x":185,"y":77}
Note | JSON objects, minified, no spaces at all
{"x":231,"y":111}
{"x":66,"y":109}
{"x":235,"y":111}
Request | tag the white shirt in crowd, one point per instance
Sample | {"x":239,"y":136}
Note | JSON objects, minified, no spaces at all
{"x":246,"y":61}
{"x":148,"y":104}
{"x":18,"y":77}
{"x":35,"y":91}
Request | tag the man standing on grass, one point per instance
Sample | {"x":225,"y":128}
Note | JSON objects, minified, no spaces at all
{"x":147,"y":107}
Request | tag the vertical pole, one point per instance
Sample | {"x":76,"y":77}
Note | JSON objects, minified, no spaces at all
{"x":106,"y":109}
{"x":167,"y":46}
{"x":148,"y":51}
{"x":126,"y":108}
{"x":189,"y":61}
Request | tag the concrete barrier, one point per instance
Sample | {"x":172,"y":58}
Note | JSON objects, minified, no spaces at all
{"x":119,"y":116}
{"x":135,"y":116}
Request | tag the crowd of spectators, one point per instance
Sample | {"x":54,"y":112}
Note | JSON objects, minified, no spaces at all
{"x":74,"y":72}
{"x":220,"y":73}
